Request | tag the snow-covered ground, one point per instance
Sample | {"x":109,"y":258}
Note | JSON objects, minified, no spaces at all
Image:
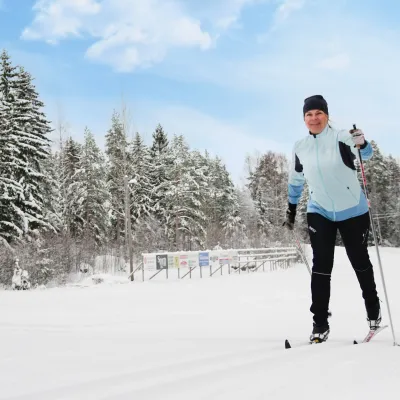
{"x":218,"y":338}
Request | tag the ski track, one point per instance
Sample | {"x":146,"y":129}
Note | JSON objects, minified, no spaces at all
{"x":219,"y":339}
{"x":170,"y":374}
{"x":209,"y":377}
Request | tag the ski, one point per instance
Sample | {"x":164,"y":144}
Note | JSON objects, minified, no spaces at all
{"x":371,"y":334}
{"x":289,"y":346}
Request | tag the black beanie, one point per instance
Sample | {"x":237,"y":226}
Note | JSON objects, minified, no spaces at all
{"x":316,"y":102}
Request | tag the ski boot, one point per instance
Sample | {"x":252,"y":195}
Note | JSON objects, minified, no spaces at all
{"x":374,"y":324}
{"x":320,"y":333}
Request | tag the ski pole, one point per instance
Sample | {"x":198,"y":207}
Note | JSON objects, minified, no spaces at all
{"x":303,"y":256}
{"x":375,"y":240}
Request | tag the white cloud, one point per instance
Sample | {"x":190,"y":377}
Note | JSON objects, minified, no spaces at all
{"x":229,"y":11}
{"x":133,"y":33}
{"x":129,"y":33}
{"x":221,"y":14}
{"x":145,"y":35}
{"x":286,"y":8}
{"x":59,"y":19}
{"x":282,"y":13}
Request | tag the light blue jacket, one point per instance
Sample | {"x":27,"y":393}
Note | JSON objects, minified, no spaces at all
{"x":326,"y":162}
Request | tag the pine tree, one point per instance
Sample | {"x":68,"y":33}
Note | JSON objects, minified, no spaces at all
{"x":231,"y":221}
{"x":70,"y":163}
{"x":268,"y":187}
{"x":34,"y":147}
{"x":161,"y":161}
{"x":25,"y":147}
{"x":208,"y":198}
{"x":90,"y":192}
{"x":140,"y":183}
{"x":227,"y":225}
{"x":118,"y":166}
{"x":249,"y":215}
{"x":12,"y":218}
{"x":377,"y":176}
{"x":53,"y":199}
{"x":12,"y":221}
{"x":393,"y":220}
{"x":184,"y":218}
{"x":160,"y":142}
{"x":9,"y":132}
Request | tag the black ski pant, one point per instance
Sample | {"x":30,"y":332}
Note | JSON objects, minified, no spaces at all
{"x":354,"y":233}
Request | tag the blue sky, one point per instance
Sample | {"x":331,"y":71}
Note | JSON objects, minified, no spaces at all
{"x":231,"y":75}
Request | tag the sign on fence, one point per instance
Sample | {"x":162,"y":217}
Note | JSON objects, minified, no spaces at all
{"x":149,"y":262}
{"x":162,"y":261}
{"x":237,"y":259}
{"x":189,"y":259}
{"x":204,"y":258}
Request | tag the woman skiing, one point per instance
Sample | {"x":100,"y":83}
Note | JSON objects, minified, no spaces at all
{"x":325,"y":159}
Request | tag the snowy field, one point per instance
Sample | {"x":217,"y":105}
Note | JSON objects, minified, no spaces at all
{"x":218,"y":338}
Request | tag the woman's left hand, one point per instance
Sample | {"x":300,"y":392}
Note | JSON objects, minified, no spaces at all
{"x":358,"y":137}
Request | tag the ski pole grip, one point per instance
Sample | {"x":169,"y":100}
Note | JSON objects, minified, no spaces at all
{"x":354,"y":126}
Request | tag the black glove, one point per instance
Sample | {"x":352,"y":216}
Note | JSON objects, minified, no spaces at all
{"x":290,"y":216}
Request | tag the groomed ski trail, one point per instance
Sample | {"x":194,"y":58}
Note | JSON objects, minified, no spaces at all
{"x":218,"y":339}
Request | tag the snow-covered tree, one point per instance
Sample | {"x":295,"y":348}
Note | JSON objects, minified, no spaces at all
{"x":268,"y":187}
{"x":34,"y":146}
{"x":392,"y":219}
{"x":161,"y":161}
{"x":12,"y":218}
{"x":118,"y":167}
{"x":52,"y":190}
{"x":224,"y":224}
{"x":160,"y":142}
{"x":248,"y":214}
{"x":89,"y":190}
{"x":378,"y":180}
{"x":140,"y":181}
{"x":184,"y":218}
{"x":228,"y":207}
{"x":24,"y":147}
{"x":70,"y":162}
{"x":382,"y":175}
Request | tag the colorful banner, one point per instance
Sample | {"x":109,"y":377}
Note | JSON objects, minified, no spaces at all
{"x":183,"y":261}
{"x":204,"y":259}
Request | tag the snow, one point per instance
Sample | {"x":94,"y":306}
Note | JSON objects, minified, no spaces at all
{"x":217,"y":338}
